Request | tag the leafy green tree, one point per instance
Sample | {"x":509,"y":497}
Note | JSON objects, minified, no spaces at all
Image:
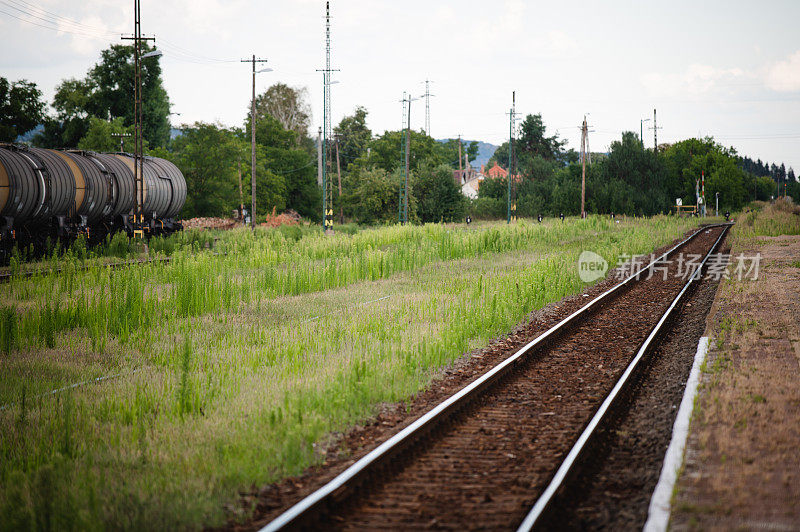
{"x":764,"y":188}
{"x":688,"y":160}
{"x":98,"y":136}
{"x":295,"y":164}
{"x":354,"y":137}
{"x":533,"y":141}
{"x":385,"y":152}
{"x":438,"y":197}
{"x":372,"y":196}
{"x":449,"y":151}
{"x":208,"y":154}
{"x":288,"y":105}
{"x":21,"y":108}
{"x":107,"y":93}
{"x":641,"y":170}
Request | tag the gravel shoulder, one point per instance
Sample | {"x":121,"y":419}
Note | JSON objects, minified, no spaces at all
{"x":742,"y":463}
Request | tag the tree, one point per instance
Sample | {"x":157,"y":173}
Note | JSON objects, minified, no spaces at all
{"x":385,"y":152}
{"x":107,"y":93}
{"x":532,"y":139}
{"x":98,"y":136}
{"x":449,"y":152}
{"x":208,"y":154}
{"x":288,"y":106}
{"x":297,"y":166}
{"x":354,"y":137}
{"x":438,"y":197}
{"x":21,"y":108}
{"x":372,"y":195}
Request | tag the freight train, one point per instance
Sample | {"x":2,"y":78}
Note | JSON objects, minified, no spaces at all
{"x":54,"y":195}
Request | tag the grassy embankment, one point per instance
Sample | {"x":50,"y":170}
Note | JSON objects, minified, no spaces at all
{"x":227,"y":369}
{"x":743,"y":470}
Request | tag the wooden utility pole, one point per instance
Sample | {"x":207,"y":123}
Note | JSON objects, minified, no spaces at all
{"x":253,"y":142}
{"x":339,"y":174}
{"x":241,"y":194}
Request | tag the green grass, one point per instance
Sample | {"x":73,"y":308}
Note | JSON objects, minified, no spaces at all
{"x":232,"y":369}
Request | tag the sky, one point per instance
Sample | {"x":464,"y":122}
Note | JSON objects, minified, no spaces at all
{"x":729,"y":69}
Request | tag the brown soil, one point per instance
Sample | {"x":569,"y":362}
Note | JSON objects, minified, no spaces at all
{"x":538,"y":421}
{"x":742,"y":468}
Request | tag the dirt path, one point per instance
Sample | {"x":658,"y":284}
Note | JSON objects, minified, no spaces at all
{"x":742,"y":467}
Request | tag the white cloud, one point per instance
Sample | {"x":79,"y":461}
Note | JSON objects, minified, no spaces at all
{"x":784,"y":76}
{"x":696,"y":80}
{"x":510,"y":20}
{"x":560,"y":43}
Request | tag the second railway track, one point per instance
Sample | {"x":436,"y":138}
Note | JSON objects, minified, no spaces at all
{"x":483,"y":458}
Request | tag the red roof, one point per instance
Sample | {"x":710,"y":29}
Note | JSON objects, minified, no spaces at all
{"x":496,"y":171}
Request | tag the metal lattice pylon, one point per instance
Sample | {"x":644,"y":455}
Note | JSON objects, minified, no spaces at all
{"x":327,"y":183}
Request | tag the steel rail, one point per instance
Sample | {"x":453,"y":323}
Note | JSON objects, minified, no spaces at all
{"x":27,"y":274}
{"x":452,"y":404}
{"x":574,"y":454}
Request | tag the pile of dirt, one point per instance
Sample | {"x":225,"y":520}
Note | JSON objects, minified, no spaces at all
{"x":211,"y":223}
{"x":289,"y":217}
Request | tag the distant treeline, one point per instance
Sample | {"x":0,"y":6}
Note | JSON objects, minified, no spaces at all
{"x":366,"y":169}
{"x":634,"y":180}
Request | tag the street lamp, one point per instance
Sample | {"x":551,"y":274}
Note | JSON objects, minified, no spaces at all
{"x":641,"y":130}
{"x":154,"y":53}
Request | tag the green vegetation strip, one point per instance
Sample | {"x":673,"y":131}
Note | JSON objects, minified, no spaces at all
{"x":252,"y":360}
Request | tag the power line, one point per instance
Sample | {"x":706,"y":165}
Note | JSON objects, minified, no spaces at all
{"x":54,"y":22}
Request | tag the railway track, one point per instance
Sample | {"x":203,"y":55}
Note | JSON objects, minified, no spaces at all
{"x":24,"y":274}
{"x":498,"y":452}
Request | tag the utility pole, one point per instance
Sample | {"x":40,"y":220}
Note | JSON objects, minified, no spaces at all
{"x":512,"y":206}
{"x":138,"y":148}
{"x":327,"y":186}
{"x":408,"y":160}
{"x":655,"y":129}
{"x":402,"y":161}
{"x":319,"y":157}
{"x":121,"y":137}
{"x":241,"y":194}
{"x":460,"y":171}
{"x":406,"y":154}
{"x":253,"y":61}
{"x":641,"y":130}
{"x":428,"y":107}
{"x":339,"y":173}
{"x":584,"y":146}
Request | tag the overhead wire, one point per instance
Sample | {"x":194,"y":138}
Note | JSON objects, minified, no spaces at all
{"x":55,"y":22}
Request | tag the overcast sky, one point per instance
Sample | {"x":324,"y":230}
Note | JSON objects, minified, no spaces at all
{"x":730,"y":69}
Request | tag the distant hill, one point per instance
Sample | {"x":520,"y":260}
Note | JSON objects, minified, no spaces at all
{"x":485,"y":152}
{"x":27,"y":137}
